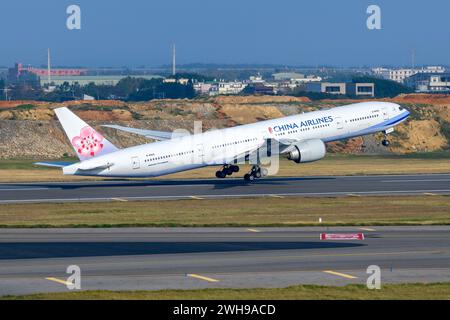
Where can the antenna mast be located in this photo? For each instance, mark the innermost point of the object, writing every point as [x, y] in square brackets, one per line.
[49, 78]
[174, 71]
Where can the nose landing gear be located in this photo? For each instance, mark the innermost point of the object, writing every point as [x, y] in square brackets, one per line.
[385, 142]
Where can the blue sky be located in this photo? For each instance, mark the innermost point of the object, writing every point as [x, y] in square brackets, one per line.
[291, 32]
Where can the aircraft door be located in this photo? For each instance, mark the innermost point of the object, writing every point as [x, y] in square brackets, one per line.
[135, 162]
[385, 113]
[199, 153]
[339, 123]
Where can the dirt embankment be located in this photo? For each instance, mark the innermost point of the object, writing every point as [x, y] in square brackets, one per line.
[29, 129]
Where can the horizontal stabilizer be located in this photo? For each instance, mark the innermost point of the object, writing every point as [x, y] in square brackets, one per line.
[53, 164]
[151, 134]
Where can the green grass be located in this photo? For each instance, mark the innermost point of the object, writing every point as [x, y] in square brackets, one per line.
[435, 291]
[25, 106]
[27, 164]
[269, 211]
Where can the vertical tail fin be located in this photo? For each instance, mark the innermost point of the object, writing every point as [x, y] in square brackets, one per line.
[86, 142]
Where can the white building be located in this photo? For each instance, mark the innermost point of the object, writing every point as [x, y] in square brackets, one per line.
[182, 81]
[295, 82]
[234, 87]
[399, 75]
[256, 79]
[429, 82]
[202, 88]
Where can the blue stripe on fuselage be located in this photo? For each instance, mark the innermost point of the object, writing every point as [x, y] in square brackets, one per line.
[378, 127]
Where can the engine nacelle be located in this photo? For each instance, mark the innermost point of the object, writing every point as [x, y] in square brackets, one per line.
[307, 151]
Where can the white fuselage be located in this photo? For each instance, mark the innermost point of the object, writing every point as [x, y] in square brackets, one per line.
[217, 147]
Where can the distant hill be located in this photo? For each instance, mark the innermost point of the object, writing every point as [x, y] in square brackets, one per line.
[29, 129]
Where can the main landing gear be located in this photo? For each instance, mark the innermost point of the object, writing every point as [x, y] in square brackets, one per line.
[256, 173]
[227, 170]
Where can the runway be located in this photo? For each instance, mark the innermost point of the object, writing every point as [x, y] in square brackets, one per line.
[224, 188]
[35, 260]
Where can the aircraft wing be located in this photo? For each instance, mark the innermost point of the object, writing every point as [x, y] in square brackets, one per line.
[151, 134]
[286, 145]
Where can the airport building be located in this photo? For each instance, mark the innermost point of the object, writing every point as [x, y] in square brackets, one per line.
[342, 88]
[234, 87]
[18, 69]
[361, 89]
[429, 82]
[399, 75]
[202, 88]
[295, 78]
[85, 80]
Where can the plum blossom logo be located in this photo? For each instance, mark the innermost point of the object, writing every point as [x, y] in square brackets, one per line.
[88, 143]
[270, 130]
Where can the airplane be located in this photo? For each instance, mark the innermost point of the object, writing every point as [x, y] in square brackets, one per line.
[300, 138]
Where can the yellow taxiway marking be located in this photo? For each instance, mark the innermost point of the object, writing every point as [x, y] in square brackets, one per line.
[202, 277]
[367, 229]
[253, 230]
[196, 198]
[276, 196]
[429, 194]
[119, 199]
[67, 283]
[340, 274]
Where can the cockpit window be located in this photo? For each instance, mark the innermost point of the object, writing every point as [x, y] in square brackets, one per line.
[401, 108]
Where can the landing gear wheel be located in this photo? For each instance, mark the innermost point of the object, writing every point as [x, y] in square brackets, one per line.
[256, 173]
[227, 170]
[264, 172]
[249, 177]
[385, 143]
[220, 174]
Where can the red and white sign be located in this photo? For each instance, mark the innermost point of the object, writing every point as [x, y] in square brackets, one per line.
[342, 236]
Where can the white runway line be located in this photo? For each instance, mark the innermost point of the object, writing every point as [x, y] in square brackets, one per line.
[25, 189]
[248, 195]
[421, 180]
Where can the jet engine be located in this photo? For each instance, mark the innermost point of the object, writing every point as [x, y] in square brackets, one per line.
[307, 151]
